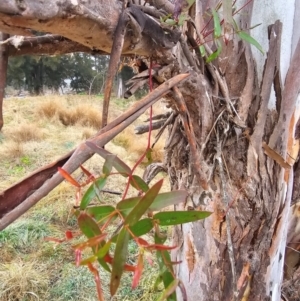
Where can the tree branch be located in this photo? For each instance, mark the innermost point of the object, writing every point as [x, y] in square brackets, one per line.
[91, 24]
[49, 45]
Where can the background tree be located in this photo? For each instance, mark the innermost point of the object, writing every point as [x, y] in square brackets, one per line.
[234, 155]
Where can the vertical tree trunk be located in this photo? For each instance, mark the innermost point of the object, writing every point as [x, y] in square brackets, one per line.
[3, 72]
[247, 160]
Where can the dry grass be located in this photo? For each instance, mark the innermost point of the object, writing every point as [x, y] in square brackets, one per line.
[136, 145]
[71, 114]
[25, 132]
[87, 133]
[49, 108]
[21, 281]
[12, 149]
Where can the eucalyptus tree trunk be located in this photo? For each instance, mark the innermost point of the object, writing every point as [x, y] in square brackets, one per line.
[233, 153]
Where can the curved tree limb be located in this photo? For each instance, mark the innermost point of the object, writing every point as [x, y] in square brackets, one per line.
[90, 23]
[47, 44]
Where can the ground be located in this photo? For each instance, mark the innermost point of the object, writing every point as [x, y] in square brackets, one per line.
[37, 131]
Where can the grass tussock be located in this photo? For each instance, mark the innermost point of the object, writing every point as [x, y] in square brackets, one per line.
[136, 145]
[21, 281]
[125, 138]
[25, 132]
[49, 108]
[83, 114]
[87, 133]
[12, 149]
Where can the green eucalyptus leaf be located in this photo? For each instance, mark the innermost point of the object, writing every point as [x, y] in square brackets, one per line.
[170, 22]
[202, 50]
[215, 54]
[163, 259]
[108, 164]
[169, 218]
[217, 24]
[161, 201]
[118, 164]
[120, 257]
[170, 289]
[143, 205]
[90, 228]
[246, 37]
[100, 212]
[138, 183]
[142, 227]
[92, 192]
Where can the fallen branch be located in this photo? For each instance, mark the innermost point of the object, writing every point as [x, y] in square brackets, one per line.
[17, 199]
[144, 128]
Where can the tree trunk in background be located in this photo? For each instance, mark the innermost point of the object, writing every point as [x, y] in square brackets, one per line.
[3, 72]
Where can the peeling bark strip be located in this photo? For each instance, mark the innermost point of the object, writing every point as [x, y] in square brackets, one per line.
[16, 200]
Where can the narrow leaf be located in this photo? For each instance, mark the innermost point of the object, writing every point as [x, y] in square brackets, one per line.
[92, 242]
[87, 173]
[108, 164]
[163, 259]
[170, 22]
[215, 54]
[202, 50]
[92, 192]
[169, 290]
[118, 164]
[246, 37]
[90, 228]
[143, 204]
[88, 260]
[97, 281]
[119, 260]
[161, 201]
[68, 177]
[217, 24]
[104, 250]
[138, 271]
[142, 227]
[138, 183]
[88, 225]
[100, 212]
[168, 218]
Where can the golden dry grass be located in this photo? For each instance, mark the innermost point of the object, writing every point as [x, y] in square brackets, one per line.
[136, 145]
[48, 108]
[21, 280]
[70, 114]
[12, 149]
[25, 132]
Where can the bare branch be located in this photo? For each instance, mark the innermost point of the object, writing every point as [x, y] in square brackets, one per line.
[144, 128]
[48, 44]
